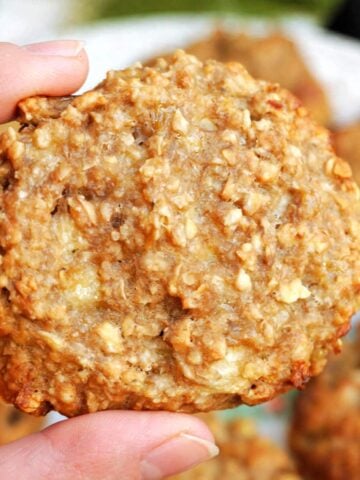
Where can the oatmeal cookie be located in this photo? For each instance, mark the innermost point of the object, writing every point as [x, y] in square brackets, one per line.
[347, 146]
[181, 238]
[244, 455]
[15, 424]
[274, 58]
[325, 431]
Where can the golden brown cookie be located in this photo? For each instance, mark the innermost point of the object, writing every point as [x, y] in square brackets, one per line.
[244, 455]
[325, 432]
[15, 424]
[274, 58]
[347, 146]
[181, 238]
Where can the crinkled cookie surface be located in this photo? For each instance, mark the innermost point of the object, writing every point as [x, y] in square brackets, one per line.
[182, 237]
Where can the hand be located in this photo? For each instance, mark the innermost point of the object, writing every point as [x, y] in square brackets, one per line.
[51, 68]
[107, 445]
[114, 445]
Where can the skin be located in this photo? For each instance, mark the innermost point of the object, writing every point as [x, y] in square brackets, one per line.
[105, 445]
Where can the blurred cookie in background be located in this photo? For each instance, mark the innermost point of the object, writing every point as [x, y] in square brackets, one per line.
[274, 58]
[244, 455]
[15, 424]
[325, 431]
[347, 146]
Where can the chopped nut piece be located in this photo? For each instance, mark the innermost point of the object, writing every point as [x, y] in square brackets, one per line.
[263, 124]
[111, 159]
[230, 136]
[207, 125]
[293, 291]
[191, 229]
[15, 152]
[233, 217]
[243, 281]
[53, 340]
[267, 171]
[229, 156]
[106, 210]
[115, 236]
[42, 138]
[253, 202]
[111, 336]
[179, 123]
[246, 119]
[68, 393]
[342, 169]
[89, 209]
[247, 247]
[89, 100]
[321, 247]
[230, 191]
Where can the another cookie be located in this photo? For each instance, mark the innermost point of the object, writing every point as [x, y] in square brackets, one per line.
[244, 455]
[325, 432]
[15, 424]
[347, 146]
[181, 238]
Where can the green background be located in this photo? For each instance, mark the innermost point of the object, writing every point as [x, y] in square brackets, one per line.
[322, 9]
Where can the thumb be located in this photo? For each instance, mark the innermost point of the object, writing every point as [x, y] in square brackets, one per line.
[49, 68]
[109, 446]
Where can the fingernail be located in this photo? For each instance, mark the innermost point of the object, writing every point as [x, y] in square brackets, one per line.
[62, 48]
[176, 455]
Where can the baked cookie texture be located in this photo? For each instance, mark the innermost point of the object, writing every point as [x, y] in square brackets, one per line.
[15, 424]
[181, 238]
[244, 455]
[347, 145]
[325, 431]
[272, 57]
